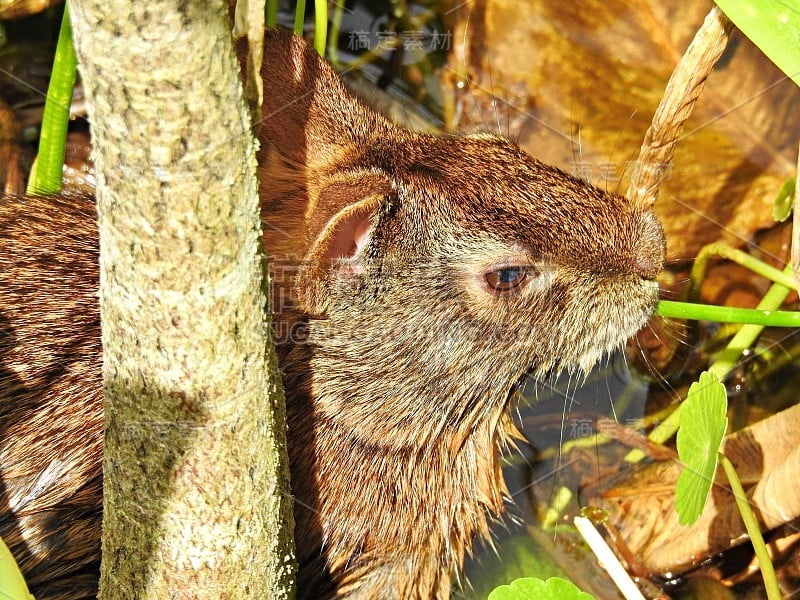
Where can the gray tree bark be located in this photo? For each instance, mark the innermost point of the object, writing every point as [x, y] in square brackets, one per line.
[195, 466]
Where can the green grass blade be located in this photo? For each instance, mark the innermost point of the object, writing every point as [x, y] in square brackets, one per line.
[271, 13]
[320, 26]
[46, 176]
[299, 17]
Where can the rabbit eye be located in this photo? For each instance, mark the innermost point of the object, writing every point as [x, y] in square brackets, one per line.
[508, 279]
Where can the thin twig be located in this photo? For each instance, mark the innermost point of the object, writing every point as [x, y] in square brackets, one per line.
[607, 559]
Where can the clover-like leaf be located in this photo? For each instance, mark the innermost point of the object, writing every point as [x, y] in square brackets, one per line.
[533, 588]
[702, 427]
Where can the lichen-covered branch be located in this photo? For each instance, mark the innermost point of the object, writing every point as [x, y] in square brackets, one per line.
[194, 467]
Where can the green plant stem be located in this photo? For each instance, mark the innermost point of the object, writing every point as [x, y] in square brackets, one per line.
[271, 17]
[320, 26]
[46, 175]
[333, 38]
[722, 366]
[729, 314]
[741, 258]
[300, 16]
[747, 335]
[753, 529]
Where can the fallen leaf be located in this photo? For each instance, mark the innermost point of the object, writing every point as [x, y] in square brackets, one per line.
[583, 80]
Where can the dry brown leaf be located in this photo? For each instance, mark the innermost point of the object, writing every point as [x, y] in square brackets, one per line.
[583, 81]
[16, 9]
[642, 509]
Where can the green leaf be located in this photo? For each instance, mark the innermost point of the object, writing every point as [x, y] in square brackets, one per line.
[702, 428]
[12, 583]
[518, 556]
[773, 26]
[533, 588]
[782, 207]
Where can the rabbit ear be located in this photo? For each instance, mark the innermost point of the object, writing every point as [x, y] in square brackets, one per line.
[344, 215]
[312, 127]
[308, 115]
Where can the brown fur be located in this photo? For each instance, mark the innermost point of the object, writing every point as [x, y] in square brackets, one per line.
[397, 357]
